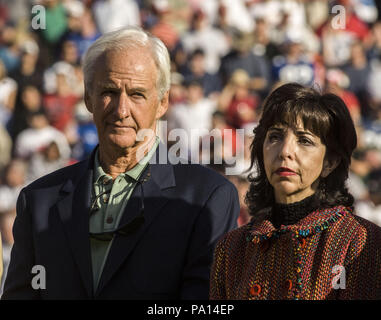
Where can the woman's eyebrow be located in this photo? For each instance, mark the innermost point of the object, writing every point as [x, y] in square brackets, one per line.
[278, 129]
[297, 131]
[300, 132]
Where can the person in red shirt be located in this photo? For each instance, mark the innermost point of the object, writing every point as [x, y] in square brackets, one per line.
[337, 82]
[236, 100]
[60, 105]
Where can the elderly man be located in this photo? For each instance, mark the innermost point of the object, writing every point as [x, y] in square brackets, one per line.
[118, 225]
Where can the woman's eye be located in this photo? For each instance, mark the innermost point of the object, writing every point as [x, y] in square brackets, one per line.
[274, 137]
[305, 141]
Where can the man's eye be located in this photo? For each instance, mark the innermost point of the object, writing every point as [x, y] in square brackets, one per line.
[138, 94]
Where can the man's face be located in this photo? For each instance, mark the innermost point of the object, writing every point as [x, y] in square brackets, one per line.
[123, 96]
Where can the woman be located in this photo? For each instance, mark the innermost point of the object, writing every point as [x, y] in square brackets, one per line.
[303, 241]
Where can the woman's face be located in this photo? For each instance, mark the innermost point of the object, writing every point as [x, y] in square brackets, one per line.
[294, 159]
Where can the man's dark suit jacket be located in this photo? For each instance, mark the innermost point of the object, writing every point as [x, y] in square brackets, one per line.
[187, 209]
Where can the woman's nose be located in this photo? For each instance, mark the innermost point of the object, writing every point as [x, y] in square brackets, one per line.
[287, 147]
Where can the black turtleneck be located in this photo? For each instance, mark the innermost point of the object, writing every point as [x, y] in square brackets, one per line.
[291, 213]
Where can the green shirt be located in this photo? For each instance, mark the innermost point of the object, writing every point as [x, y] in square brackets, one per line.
[56, 23]
[111, 206]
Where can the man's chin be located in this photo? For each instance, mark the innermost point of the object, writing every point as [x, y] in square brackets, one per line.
[122, 144]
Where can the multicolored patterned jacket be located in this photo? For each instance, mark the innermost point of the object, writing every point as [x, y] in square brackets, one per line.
[329, 254]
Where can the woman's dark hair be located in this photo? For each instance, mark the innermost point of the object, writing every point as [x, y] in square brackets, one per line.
[326, 116]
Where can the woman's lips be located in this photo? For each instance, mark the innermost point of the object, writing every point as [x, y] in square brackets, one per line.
[284, 172]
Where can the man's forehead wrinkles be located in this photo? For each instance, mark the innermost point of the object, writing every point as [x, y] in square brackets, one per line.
[114, 78]
[130, 85]
[128, 75]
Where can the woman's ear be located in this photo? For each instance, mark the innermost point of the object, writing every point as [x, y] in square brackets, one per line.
[330, 163]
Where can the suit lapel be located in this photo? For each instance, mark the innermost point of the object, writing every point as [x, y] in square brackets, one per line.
[162, 177]
[74, 208]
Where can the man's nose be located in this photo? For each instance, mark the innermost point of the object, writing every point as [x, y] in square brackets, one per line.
[123, 107]
[287, 147]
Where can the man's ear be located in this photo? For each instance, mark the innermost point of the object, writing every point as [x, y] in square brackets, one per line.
[163, 106]
[330, 163]
[88, 103]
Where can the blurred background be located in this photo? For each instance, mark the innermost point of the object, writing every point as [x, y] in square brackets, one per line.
[226, 56]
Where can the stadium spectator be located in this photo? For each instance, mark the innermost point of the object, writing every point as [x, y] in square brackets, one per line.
[194, 116]
[211, 83]
[12, 181]
[29, 102]
[358, 70]
[9, 47]
[294, 65]
[242, 57]
[59, 106]
[237, 15]
[45, 161]
[29, 72]
[177, 92]
[56, 22]
[370, 208]
[263, 45]
[82, 29]
[5, 147]
[111, 15]
[337, 82]
[8, 91]
[374, 50]
[86, 133]
[66, 66]
[211, 40]
[163, 28]
[236, 100]
[38, 136]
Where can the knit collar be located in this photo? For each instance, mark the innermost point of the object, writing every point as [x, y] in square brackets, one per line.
[314, 222]
[291, 213]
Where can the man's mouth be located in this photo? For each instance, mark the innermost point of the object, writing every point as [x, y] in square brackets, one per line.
[117, 126]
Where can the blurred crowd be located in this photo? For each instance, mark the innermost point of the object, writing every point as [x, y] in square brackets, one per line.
[226, 56]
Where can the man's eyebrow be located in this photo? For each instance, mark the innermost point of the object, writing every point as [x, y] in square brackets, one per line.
[140, 89]
[109, 85]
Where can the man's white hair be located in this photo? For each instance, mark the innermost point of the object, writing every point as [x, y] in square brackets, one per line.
[129, 37]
